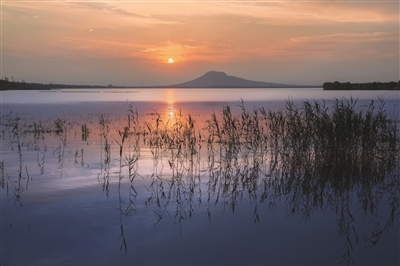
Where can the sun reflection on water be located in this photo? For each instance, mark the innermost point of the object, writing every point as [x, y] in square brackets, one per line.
[170, 101]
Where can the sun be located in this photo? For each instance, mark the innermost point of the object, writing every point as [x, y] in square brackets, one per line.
[171, 60]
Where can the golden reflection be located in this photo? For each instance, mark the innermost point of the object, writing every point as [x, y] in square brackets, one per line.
[171, 111]
[170, 115]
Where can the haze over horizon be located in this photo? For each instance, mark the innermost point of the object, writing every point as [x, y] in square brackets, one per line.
[135, 43]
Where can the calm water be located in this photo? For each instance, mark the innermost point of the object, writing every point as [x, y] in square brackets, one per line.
[71, 195]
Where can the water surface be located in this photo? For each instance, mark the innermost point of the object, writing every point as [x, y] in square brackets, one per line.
[71, 195]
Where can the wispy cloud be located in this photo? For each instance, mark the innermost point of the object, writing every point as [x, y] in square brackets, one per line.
[347, 46]
[199, 32]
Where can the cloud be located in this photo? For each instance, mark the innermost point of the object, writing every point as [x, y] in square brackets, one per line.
[311, 12]
[223, 33]
[346, 46]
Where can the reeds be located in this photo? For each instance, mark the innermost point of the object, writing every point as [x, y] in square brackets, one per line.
[131, 160]
[85, 132]
[104, 175]
[39, 130]
[314, 155]
[2, 177]
[60, 130]
[16, 131]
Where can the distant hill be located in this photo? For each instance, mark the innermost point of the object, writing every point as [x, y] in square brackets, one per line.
[211, 79]
[215, 79]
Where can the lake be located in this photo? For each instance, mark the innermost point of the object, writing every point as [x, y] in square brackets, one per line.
[198, 177]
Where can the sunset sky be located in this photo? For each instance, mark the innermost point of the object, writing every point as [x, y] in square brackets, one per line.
[130, 42]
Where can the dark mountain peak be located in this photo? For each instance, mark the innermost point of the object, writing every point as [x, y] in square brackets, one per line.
[214, 74]
[217, 79]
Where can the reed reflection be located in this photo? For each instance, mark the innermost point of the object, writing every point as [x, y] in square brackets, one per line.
[313, 157]
[60, 130]
[105, 159]
[39, 130]
[179, 141]
[16, 129]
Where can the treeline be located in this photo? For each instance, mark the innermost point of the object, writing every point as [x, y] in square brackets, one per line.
[7, 84]
[362, 86]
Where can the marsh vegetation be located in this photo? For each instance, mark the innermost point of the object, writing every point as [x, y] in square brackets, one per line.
[315, 156]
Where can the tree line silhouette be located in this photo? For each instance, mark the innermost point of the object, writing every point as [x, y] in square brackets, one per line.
[361, 86]
[12, 84]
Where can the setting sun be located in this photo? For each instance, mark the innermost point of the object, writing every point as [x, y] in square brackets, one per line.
[170, 60]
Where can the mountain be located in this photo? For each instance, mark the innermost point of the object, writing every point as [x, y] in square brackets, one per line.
[215, 79]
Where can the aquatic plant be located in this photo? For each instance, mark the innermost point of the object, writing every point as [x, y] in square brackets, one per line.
[60, 130]
[312, 155]
[131, 160]
[104, 162]
[39, 129]
[2, 177]
[16, 131]
[85, 132]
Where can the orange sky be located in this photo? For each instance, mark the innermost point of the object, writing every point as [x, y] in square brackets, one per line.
[129, 42]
